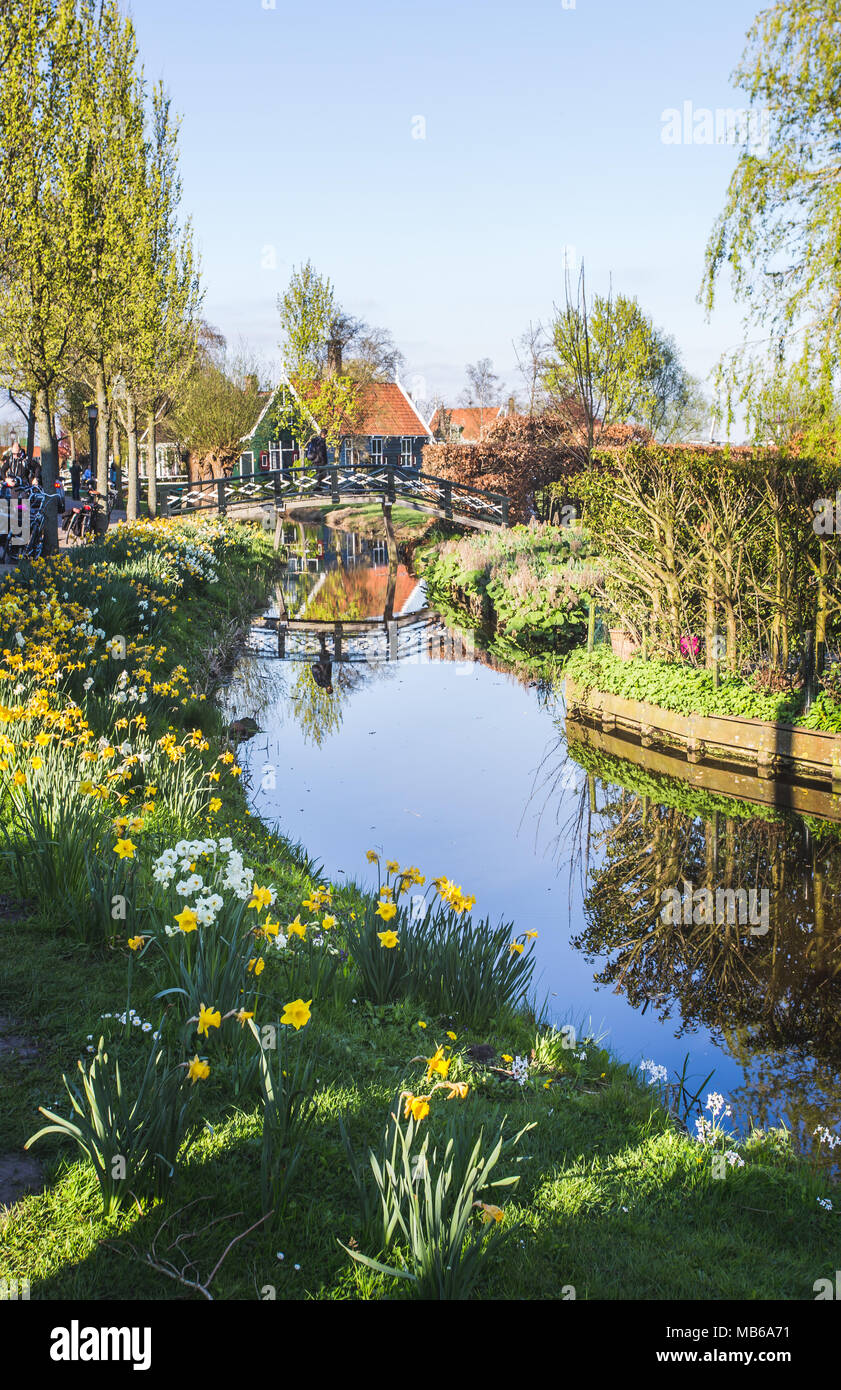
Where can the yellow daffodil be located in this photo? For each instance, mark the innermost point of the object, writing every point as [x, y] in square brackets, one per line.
[214, 804]
[208, 1018]
[457, 1089]
[438, 1064]
[270, 928]
[260, 897]
[125, 849]
[198, 1070]
[297, 1013]
[135, 943]
[328, 922]
[516, 948]
[187, 920]
[416, 1106]
[257, 964]
[506, 1057]
[297, 928]
[489, 1212]
[386, 911]
[452, 1036]
[388, 939]
[392, 866]
[243, 1015]
[532, 935]
[421, 1023]
[372, 856]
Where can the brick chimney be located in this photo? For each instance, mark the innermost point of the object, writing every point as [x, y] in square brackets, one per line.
[334, 357]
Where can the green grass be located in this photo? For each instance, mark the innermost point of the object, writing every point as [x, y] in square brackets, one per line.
[600, 1145]
[614, 1198]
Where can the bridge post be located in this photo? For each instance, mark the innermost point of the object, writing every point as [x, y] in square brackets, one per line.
[448, 500]
[505, 520]
[220, 494]
[390, 493]
[334, 483]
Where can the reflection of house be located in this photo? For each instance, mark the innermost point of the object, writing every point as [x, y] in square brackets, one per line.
[463, 425]
[390, 431]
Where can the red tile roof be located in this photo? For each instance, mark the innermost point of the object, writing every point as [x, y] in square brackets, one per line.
[471, 420]
[388, 411]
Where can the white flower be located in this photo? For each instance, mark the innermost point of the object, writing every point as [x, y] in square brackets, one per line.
[520, 1070]
[825, 1202]
[734, 1159]
[204, 912]
[226, 844]
[20, 639]
[216, 901]
[88, 683]
[656, 1072]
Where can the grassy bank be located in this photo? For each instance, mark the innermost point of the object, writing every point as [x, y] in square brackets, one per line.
[148, 907]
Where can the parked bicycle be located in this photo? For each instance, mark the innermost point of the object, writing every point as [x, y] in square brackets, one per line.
[35, 499]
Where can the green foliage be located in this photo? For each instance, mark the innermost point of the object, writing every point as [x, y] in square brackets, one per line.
[777, 235]
[132, 1142]
[428, 1194]
[286, 1073]
[528, 584]
[465, 969]
[684, 688]
[458, 967]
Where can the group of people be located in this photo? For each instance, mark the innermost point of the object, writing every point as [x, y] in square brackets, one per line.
[17, 471]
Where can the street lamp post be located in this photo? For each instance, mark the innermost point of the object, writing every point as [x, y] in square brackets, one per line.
[93, 416]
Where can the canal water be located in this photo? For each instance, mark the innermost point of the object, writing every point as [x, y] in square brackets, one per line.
[383, 729]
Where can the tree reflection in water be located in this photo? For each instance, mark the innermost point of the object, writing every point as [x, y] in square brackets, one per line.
[769, 994]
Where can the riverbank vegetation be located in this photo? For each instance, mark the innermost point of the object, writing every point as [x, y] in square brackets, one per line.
[525, 590]
[236, 1034]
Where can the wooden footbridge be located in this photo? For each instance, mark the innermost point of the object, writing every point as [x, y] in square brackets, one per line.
[358, 484]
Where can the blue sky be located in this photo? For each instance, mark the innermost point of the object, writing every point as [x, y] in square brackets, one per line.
[542, 131]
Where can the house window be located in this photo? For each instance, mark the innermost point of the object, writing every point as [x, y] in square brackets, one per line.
[348, 448]
[376, 449]
[246, 464]
[406, 455]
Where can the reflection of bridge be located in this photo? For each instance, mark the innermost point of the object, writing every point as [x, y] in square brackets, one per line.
[358, 484]
[361, 640]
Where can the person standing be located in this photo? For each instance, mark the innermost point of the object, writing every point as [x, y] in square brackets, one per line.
[75, 479]
[316, 452]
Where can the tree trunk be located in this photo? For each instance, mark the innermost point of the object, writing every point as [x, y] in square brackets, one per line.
[131, 437]
[30, 427]
[152, 465]
[49, 468]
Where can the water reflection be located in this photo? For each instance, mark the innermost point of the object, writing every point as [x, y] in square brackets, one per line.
[385, 723]
[717, 917]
